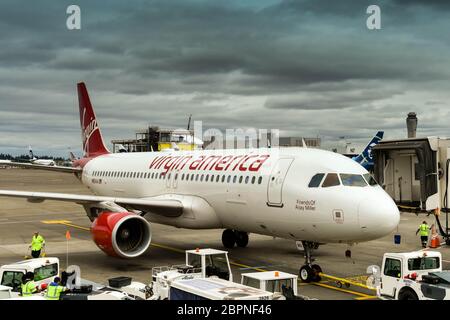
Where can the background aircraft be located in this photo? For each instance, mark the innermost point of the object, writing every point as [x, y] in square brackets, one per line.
[365, 158]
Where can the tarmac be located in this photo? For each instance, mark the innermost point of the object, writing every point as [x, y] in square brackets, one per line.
[19, 219]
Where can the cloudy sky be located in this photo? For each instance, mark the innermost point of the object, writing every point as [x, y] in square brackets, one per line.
[306, 67]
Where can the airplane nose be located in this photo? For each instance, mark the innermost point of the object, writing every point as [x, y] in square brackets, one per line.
[378, 215]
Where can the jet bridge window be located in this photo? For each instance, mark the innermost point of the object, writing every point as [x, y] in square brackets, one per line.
[352, 180]
[424, 263]
[331, 180]
[392, 268]
[316, 180]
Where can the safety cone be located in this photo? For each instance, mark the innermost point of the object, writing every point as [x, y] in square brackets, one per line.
[434, 242]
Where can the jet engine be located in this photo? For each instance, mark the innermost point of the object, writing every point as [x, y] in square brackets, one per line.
[121, 234]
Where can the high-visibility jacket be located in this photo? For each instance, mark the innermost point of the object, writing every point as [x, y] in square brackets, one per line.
[28, 288]
[37, 242]
[423, 229]
[54, 291]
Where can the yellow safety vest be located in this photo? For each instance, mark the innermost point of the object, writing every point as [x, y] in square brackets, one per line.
[37, 242]
[53, 292]
[423, 230]
[28, 289]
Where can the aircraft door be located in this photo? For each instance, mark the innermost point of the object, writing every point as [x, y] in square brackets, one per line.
[276, 181]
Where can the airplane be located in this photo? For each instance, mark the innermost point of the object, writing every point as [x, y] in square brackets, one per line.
[365, 158]
[42, 162]
[302, 194]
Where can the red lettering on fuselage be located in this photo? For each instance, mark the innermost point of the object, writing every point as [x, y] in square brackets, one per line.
[216, 163]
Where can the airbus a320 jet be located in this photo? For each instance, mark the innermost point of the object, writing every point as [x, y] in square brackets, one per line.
[302, 194]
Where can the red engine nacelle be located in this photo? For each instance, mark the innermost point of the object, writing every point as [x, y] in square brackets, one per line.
[121, 234]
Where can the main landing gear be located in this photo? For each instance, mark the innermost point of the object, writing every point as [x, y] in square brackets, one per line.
[309, 272]
[234, 237]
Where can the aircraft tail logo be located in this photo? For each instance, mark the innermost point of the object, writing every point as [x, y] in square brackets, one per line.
[91, 136]
[365, 158]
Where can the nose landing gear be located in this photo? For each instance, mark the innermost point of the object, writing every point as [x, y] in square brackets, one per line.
[234, 237]
[309, 272]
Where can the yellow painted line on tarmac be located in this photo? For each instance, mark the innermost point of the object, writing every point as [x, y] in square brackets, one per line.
[321, 284]
[367, 298]
[55, 221]
[340, 289]
[65, 223]
[166, 247]
[343, 280]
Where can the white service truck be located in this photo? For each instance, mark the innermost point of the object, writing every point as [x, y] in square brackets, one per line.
[414, 275]
[206, 274]
[46, 269]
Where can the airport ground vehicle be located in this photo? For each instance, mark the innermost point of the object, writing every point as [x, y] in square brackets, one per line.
[46, 269]
[200, 263]
[206, 275]
[277, 282]
[414, 275]
[214, 289]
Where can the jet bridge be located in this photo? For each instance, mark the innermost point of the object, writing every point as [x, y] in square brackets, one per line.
[414, 172]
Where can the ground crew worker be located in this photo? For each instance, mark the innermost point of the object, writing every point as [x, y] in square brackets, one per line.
[423, 229]
[28, 286]
[37, 242]
[54, 289]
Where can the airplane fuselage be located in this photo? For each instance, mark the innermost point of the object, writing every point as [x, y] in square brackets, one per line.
[263, 191]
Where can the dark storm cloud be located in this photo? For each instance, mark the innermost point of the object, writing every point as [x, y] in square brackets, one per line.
[272, 64]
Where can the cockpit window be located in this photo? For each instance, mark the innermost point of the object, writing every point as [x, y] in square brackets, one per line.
[316, 180]
[353, 180]
[331, 180]
[370, 180]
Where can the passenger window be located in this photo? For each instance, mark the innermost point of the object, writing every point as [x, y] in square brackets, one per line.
[223, 178]
[176, 176]
[206, 178]
[196, 177]
[192, 177]
[229, 179]
[246, 179]
[240, 179]
[217, 178]
[201, 178]
[331, 180]
[234, 179]
[182, 177]
[212, 178]
[253, 179]
[316, 180]
[352, 180]
[259, 180]
[392, 268]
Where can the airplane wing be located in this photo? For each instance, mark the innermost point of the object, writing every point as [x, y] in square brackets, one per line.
[42, 167]
[168, 208]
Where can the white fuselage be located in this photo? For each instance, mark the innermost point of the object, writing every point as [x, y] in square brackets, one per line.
[263, 191]
[43, 162]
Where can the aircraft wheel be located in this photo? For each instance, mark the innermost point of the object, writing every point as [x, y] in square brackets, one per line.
[306, 273]
[241, 238]
[228, 238]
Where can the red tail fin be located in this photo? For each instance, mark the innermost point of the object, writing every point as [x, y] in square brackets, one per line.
[93, 145]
